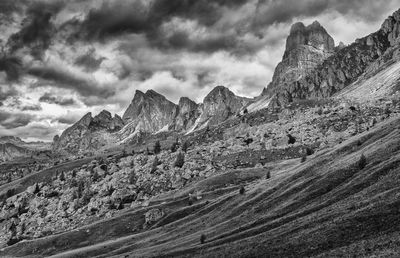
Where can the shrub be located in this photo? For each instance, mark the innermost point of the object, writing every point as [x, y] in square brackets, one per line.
[156, 162]
[242, 190]
[174, 147]
[362, 162]
[303, 158]
[309, 151]
[291, 139]
[157, 147]
[104, 167]
[10, 192]
[202, 238]
[248, 141]
[180, 160]
[268, 175]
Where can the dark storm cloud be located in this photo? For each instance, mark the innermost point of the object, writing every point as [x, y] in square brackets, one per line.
[48, 98]
[133, 16]
[14, 120]
[89, 61]
[27, 107]
[68, 80]
[275, 11]
[121, 17]
[37, 30]
[11, 65]
[66, 120]
[8, 7]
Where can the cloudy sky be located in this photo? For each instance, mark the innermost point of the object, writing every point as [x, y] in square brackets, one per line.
[62, 59]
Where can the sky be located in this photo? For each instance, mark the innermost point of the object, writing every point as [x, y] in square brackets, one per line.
[60, 59]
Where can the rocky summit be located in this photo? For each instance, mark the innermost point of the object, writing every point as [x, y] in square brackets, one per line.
[306, 48]
[310, 168]
[338, 70]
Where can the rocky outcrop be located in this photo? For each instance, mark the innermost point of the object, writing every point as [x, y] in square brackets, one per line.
[220, 104]
[89, 133]
[188, 113]
[106, 121]
[340, 69]
[306, 48]
[149, 112]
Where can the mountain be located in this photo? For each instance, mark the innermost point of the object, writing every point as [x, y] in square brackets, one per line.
[188, 113]
[89, 133]
[12, 147]
[220, 104]
[306, 48]
[152, 112]
[339, 69]
[148, 112]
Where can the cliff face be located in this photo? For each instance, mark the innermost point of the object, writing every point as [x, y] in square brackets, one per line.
[339, 69]
[220, 104]
[306, 48]
[89, 133]
[149, 112]
[188, 113]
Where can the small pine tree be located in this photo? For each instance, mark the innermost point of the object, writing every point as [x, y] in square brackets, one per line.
[62, 176]
[362, 162]
[157, 147]
[37, 189]
[13, 229]
[185, 146]
[303, 158]
[132, 177]
[242, 190]
[268, 175]
[202, 238]
[154, 165]
[81, 188]
[180, 160]
[23, 227]
[174, 147]
[95, 176]
[120, 206]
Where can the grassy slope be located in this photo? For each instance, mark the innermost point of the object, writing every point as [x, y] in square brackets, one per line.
[326, 206]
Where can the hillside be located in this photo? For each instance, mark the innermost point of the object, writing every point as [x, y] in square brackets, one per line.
[329, 195]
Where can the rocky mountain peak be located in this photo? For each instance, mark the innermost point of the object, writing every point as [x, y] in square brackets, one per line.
[186, 105]
[85, 120]
[219, 93]
[361, 59]
[306, 48]
[313, 35]
[220, 104]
